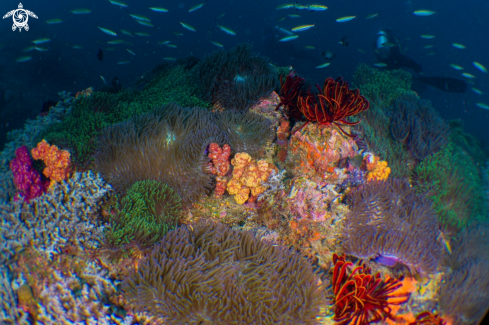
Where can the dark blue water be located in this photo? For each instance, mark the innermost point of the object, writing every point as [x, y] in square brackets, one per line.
[63, 68]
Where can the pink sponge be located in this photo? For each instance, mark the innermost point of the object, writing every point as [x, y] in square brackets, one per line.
[26, 178]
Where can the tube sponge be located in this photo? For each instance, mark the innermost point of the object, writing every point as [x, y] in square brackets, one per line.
[389, 222]
[211, 274]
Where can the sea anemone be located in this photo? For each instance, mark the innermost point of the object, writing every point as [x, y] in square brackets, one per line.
[210, 274]
[389, 222]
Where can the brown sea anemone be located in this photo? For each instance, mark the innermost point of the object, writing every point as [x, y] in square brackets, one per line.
[211, 274]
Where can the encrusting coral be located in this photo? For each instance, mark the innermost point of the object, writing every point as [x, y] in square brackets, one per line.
[377, 170]
[210, 274]
[248, 178]
[58, 162]
[390, 222]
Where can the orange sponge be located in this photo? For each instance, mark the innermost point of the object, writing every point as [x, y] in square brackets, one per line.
[58, 162]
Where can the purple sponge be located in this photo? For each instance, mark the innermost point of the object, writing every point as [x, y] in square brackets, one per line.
[26, 178]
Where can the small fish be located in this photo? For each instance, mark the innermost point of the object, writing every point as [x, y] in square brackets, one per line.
[428, 46]
[456, 67]
[380, 64]
[187, 26]
[178, 34]
[40, 49]
[328, 55]
[163, 42]
[477, 91]
[226, 30]
[128, 50]
[142, 34]
[281, 19]
[481, 105]
[468, 75]
[427, 36]
[41, 41]
[288, 38]
[480, 66]
[217, 44]
[324, 65]
[140, 17]
[317, 8]
[294, 16]
[371, 16]
[285, 6]
[123, 62]
[54, 21]
[173, 46]
[170, 59]
[283, 30]
[309, 47]
[81, 11]
[345, 19]
[125, 32]
[103, 79]
[458, 46]
[158, 9]
[145, 23]
[107, 31]
[362, 51]
[100, 55]
[196, 7]
[388, 44]
[118, 3]
[76, 47]
[221, 15]
[117, 41]
[298, 6]
[344, 41]
[24, 59]
[302, 28]
[424, 13]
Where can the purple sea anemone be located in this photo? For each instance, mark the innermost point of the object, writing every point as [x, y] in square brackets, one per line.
[389, 222]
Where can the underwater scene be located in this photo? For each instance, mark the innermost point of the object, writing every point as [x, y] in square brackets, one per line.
[261, 162]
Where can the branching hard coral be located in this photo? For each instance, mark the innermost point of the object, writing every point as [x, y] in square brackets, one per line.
[167, 145]
[361, 298]
[236, 79]
[247, 131]
[210, 274]
[389, 222]
[415, 123]
[58, 162]
[333, 104]
[144, 215]
[452, 181]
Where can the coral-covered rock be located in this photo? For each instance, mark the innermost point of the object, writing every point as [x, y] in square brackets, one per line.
[219, 165]
[283, 133]
[26, 178]
[248, 177]
[58, 162]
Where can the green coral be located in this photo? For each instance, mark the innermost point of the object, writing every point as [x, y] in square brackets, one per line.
[452, 180]
[80, 130]
[381, 86]
[144, 215]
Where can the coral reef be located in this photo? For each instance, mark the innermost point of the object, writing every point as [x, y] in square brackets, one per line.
[143, 216]
[360, 297]
[84, 93]
[168, 145]
[26, 179]
[283, 133]
[219, 166]
[452, 181]
[58, 162]
[248, 178]
[212, 274]
[236, 79]
[63, 215]
[389, 222]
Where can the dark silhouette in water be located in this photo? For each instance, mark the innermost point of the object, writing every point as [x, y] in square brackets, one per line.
[116, 84]
[100, 55]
